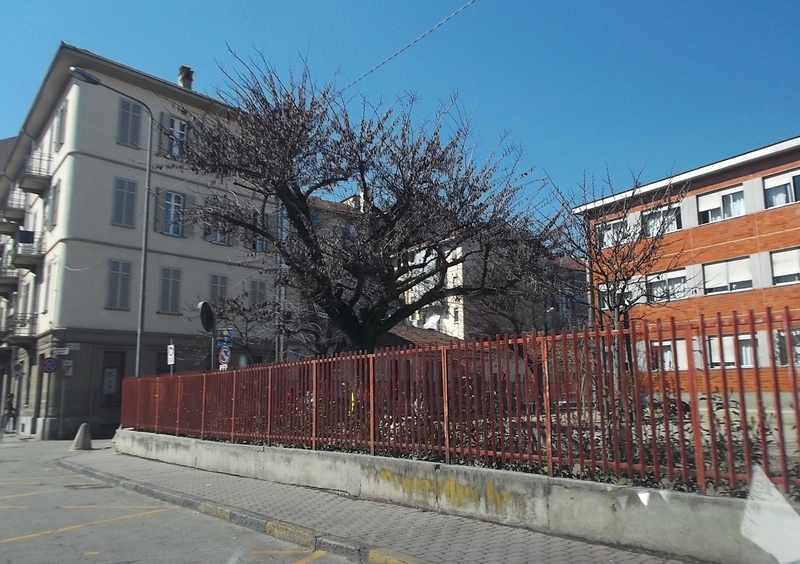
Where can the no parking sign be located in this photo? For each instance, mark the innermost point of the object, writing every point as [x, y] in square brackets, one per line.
[49, 365]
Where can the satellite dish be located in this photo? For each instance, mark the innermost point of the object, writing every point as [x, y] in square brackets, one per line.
[206, 316]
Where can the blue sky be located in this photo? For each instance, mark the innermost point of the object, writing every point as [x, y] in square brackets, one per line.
[660, 86]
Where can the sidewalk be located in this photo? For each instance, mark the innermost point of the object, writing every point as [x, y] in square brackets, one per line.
[424, 535]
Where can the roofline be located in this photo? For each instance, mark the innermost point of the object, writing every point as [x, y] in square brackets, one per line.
[717, 166]
[55, 81]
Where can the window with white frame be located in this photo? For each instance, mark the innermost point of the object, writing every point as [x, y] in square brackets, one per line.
[123, 202]
[219, 286]
[727, 276]
[609, 300]
[781, 190]
[119, 284]
[784, 345]
[725, 352]
[662, 220]
[130, 118]
[59, 126]
[170, 291]
[666, 286]
[785, 266]
[663, 356]
[220, 238]
[258, 292]
[612, 233]
[176, 136]
[721, 205]
[173, 208]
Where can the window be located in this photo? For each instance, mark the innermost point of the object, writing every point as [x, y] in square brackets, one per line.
[664, 220]
[666, 286]
[781, 350]
[781, 190]
[119, 284]
[620, 300]
[258, 292]
[721, 205]
[50, 206]
[123, 202]
[613, 233]
[728, 357]
[170, 290]
[48, 272]
[455, 315]
[219, 287]
[220, 238]
[176, 136]
[173, 206]
[727, 276]
[785, 266]
[130, 117]
[59, 126]
[663, 356]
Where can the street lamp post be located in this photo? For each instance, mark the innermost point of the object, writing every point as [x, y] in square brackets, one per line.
[89, 78]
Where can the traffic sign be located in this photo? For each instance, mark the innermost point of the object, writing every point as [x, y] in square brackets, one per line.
[170, 355]
[63, 351]
[224, 355]
[49, 365]
[16, 370]
[225, 338]
[66, 367]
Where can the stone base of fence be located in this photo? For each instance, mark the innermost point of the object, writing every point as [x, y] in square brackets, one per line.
[688, 525]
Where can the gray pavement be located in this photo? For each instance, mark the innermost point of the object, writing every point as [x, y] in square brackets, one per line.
[428, 536]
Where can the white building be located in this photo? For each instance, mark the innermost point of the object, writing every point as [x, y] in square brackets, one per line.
[71, 211]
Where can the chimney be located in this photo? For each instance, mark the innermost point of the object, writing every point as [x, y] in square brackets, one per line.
[185, 75]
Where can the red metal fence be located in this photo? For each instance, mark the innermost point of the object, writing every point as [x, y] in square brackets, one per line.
[685, 405]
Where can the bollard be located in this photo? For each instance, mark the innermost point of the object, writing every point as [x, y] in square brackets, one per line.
[83, 440]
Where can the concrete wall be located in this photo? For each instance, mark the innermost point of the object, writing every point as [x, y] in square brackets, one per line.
[677, 523]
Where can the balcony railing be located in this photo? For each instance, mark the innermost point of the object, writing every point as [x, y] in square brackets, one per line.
[28, 250]
[9, 280]
[38, 172]
[21, 325]
[15, 206]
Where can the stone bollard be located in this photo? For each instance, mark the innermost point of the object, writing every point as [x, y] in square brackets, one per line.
[83, 440]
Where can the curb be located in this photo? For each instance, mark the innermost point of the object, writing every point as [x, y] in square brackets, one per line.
[353, 551]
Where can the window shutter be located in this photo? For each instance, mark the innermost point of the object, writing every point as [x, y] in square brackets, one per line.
[714, 275]
[786, 263]
[163, 136]
[709, 202]
[188, 227]
[158, 209]
[778, 180]
[739, 270]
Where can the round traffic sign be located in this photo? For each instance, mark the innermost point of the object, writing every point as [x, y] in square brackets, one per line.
[49, 365]
[224, 355]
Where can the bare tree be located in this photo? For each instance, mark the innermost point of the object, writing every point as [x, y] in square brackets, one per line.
[421, 204]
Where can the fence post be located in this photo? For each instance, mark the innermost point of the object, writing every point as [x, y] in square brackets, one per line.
[203, 409]
[138, 404]
[178, 413]
[694, 402]
[445, 405]
[158, 393]
[548, 431]
[233, 406]
[372, 404]
[314, 405]
[269, 406]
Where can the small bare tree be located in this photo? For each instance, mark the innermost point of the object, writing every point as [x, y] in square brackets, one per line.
[421, 203]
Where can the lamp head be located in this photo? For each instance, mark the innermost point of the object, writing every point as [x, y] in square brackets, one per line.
[84, 76]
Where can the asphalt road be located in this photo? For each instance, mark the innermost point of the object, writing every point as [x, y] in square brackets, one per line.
[51, 515]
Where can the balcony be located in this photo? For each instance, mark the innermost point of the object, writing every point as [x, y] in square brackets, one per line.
[20, 329]
[9, 279]
[14, 211]
[38, 173]
[28, 250]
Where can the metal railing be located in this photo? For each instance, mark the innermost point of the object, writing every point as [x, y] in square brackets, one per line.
[692, 406]
[16, 199]
[21, 325]
[39, 163]
[28, 243]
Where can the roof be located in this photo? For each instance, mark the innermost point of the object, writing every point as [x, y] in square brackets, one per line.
[55, 82]
[743, 158]
[6, 145]
[407, 335]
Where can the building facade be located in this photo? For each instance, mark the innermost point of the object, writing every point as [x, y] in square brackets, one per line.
[72, 210]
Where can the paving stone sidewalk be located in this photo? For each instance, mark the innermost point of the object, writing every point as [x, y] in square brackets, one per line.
[429, 536]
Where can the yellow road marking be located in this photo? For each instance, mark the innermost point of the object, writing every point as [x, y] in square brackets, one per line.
[311, 557]
[14, 507]
[306, 551]
[107, 506]
[29, 493]
[92, 553]
[81, 525]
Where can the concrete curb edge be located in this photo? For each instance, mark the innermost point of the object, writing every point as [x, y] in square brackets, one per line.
[297, 534]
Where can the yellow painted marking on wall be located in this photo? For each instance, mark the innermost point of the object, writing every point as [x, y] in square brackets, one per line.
[280, 551]
[91, 553]
[29, 493]
[82, 525]
[311, 557]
